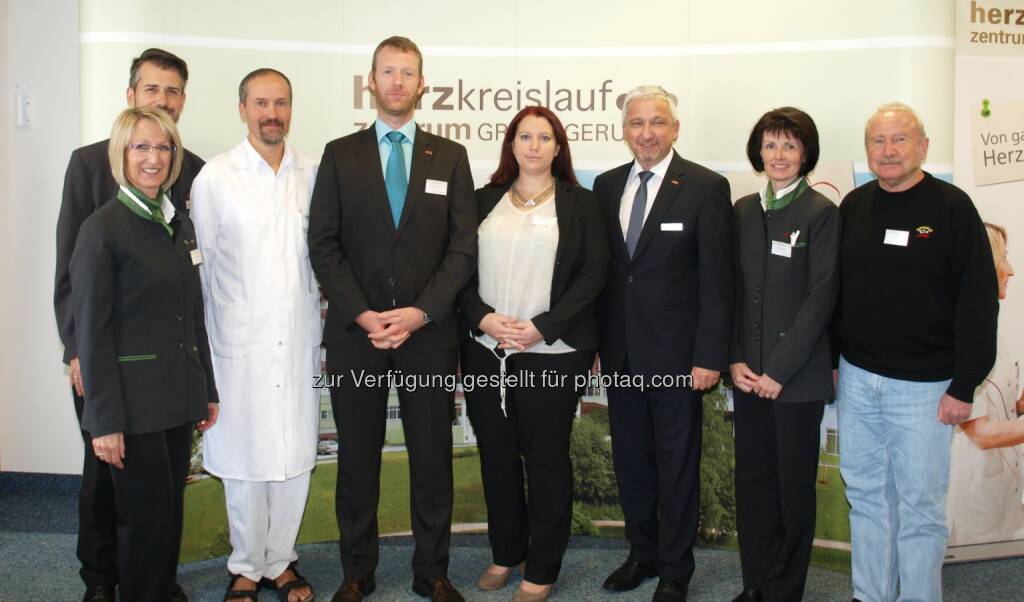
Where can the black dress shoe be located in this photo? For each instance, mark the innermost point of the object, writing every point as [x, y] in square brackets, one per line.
[438, 589]
[99, 593]
[628, 576]
[354, 590]
[178, 594]
[670, 591]
[749, 595]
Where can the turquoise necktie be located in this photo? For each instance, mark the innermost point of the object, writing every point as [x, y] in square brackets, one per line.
[395, 179]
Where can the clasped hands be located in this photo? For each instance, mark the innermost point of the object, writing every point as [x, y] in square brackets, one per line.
[389, 329]
[510, 333]
[748, 381]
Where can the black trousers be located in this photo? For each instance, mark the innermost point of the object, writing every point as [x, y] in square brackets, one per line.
[149, 492]
[527, 519]
[656, 437]
[777, 446]
[97, 515]
[360, 410]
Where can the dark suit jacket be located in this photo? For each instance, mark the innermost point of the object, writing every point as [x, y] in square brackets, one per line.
[581, 267]
[784, 304]
[88, 183]
[669, 308]
[141, 332]
[364, 263]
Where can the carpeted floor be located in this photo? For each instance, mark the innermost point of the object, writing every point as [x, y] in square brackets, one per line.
[37, 562]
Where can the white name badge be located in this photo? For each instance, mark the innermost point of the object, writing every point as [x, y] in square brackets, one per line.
[782, 249]
[543, 220]
[197, 256]
[437, 187]
[897, 238]
[672, 226]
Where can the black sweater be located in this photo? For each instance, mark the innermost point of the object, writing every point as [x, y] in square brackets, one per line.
[925, 311]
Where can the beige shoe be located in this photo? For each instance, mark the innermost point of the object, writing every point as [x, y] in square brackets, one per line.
[524, 596]
[490, 582]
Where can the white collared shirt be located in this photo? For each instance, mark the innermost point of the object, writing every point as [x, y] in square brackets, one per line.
[166, 207]
[779, 194]
[633, 184]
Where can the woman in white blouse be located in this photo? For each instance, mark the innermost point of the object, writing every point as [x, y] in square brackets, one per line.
[532, 320]
[985, 484]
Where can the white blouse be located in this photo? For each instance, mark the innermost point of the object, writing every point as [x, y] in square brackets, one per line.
[516, 263]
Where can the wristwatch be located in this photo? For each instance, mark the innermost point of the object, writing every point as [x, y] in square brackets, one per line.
[426, 318]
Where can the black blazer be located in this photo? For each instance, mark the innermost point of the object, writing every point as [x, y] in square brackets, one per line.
[784, 304]
[88, 183]
[364, 263]
[669, 308]
[141, 332]
[581, 268]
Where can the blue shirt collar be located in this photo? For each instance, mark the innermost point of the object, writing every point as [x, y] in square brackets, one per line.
[382, 129]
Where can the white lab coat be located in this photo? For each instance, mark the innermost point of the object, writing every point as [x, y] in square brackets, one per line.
[984, 502]
[262, 313]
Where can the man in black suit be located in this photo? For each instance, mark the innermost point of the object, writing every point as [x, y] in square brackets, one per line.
[157, 79]
[392, 239]
[666, 322]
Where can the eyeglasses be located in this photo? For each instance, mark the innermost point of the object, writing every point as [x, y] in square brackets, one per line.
[161, 149]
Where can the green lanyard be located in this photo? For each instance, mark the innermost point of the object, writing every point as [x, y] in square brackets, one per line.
[148, 209]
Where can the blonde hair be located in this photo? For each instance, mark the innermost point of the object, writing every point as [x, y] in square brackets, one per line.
[401, 44]
[121, 136]
[997, 237]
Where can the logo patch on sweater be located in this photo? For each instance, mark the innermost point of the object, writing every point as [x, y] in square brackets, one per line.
[924, 231]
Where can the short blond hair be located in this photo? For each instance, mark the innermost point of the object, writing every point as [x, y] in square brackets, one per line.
[997, 237]
[401, 44]
[121, 136]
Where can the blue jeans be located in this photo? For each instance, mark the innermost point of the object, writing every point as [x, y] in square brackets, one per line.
[894, 458]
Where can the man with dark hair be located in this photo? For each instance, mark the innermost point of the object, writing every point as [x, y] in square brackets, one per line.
[250, 206]
[243, 86]
[392, 239]
[163, 60]
[157, 79]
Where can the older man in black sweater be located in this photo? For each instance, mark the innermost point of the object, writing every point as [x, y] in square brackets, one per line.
[915, 328]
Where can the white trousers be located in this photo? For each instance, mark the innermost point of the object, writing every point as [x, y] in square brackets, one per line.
[264, 519]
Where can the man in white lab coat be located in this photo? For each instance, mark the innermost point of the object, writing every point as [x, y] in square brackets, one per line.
[250, 206]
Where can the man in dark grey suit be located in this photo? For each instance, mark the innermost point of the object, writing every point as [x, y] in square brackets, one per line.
[392, 240]
[157, 79]
[666, 320]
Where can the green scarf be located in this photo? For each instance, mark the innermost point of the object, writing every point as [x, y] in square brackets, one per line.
[773, 204]
[150, 210]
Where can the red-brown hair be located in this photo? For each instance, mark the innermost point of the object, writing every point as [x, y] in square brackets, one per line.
[508, 167]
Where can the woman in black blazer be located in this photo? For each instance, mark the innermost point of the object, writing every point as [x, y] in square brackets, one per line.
[532, 321]
[787, 239]
[143, 349]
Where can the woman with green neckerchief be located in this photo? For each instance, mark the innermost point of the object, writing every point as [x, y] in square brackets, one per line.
[142, 344]
[787, 250]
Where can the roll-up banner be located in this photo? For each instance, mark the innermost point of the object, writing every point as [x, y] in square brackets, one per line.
[985, 509]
